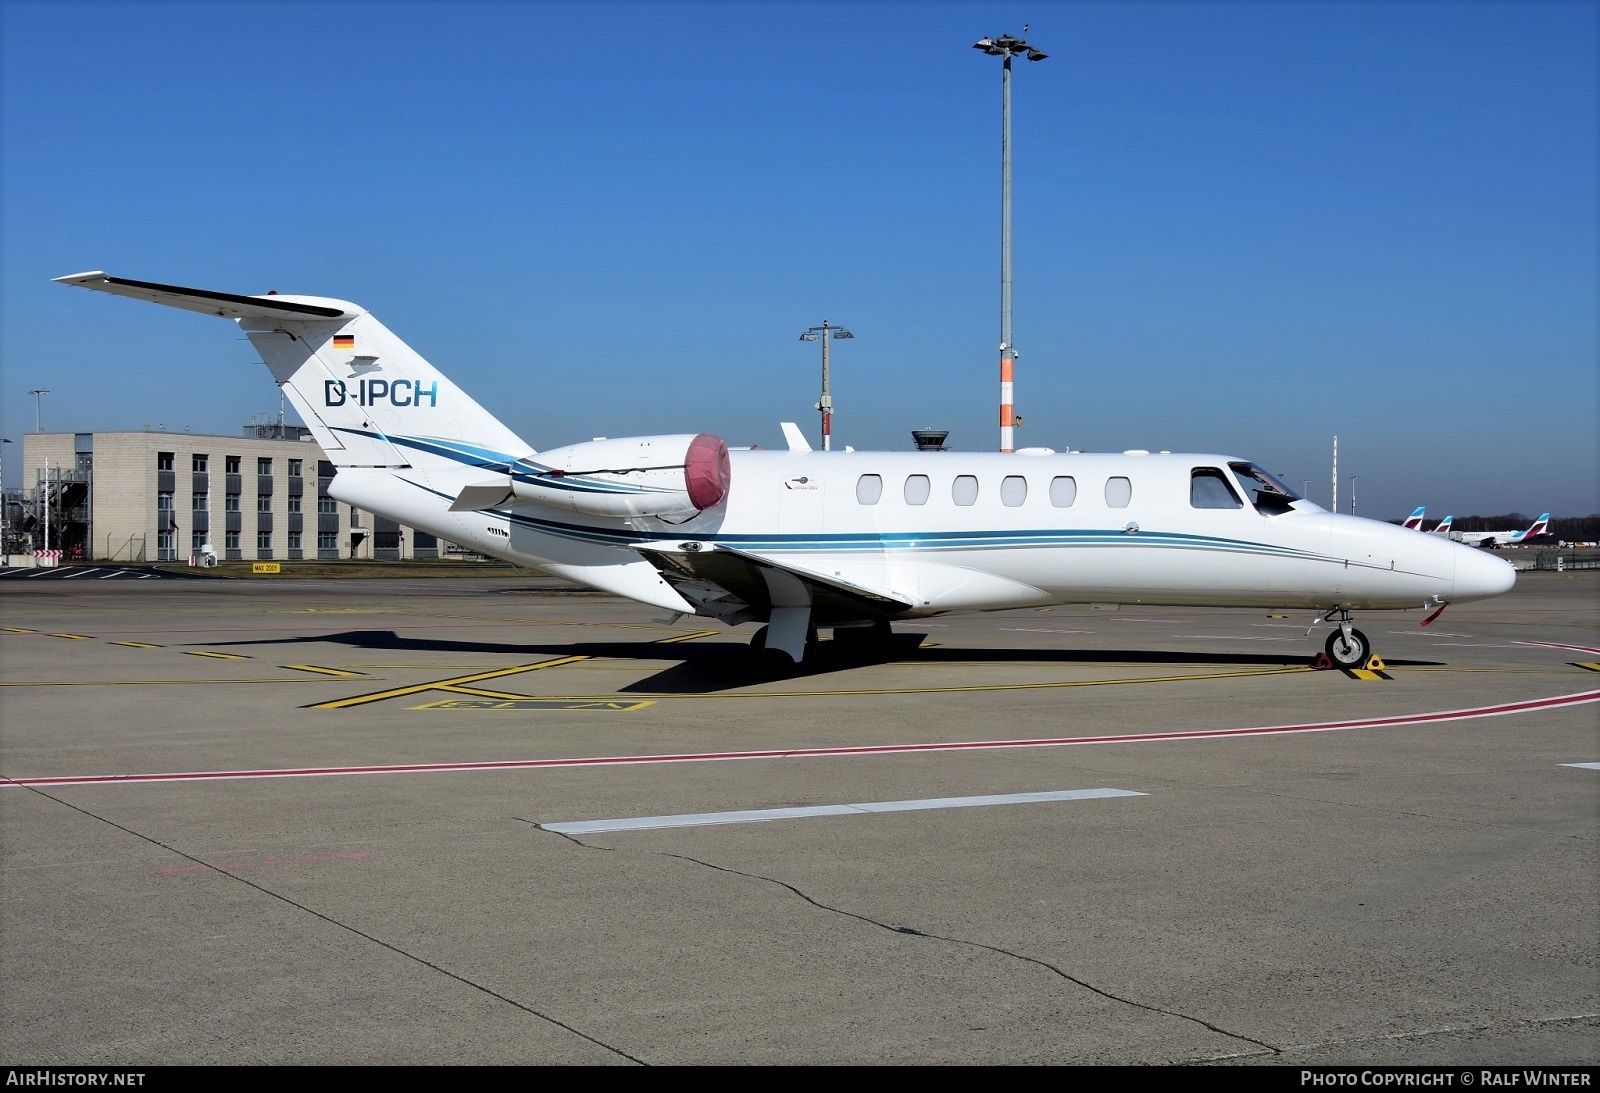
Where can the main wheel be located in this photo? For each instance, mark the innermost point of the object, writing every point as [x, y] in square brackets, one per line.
[778, 661]
[1350, 653]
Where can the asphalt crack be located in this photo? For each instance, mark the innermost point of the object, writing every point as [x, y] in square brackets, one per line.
[348, 928]
[912, 931]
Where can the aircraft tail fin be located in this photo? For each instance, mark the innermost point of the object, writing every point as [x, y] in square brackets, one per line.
[369, 399]
[1414, 521]
[1444, 526]
[1540, 527]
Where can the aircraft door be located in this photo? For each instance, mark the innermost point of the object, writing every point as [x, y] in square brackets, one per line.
[801, 504]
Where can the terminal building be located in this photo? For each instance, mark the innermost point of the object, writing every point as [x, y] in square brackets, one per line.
[156, 496]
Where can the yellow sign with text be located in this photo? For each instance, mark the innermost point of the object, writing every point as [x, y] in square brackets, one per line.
[265, 567]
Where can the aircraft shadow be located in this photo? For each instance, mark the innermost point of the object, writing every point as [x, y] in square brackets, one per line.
[709, 666]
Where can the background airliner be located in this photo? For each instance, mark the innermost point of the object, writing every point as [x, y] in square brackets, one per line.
[1414, 521]
[799, 539]
[1493, 540]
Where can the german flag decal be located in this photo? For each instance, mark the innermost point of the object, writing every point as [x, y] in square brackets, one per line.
[344, 341]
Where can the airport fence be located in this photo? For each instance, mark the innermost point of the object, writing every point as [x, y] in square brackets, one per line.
[1562, 560]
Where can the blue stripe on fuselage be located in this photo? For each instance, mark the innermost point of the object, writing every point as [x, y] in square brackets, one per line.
[472, 456]
[879, 542]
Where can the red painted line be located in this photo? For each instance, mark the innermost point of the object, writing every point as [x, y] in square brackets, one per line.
[1528, 706]
[1558, 645]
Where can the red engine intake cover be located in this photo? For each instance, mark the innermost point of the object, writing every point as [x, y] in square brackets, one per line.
[706, 471]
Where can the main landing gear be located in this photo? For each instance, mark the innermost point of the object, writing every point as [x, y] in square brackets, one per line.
[781, 657]
[855, 640]
[1347, 647]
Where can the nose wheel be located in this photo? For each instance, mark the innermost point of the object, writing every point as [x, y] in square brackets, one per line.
[1348, 647]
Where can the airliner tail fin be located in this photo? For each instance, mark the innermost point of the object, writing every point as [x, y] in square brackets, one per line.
[1540, 527]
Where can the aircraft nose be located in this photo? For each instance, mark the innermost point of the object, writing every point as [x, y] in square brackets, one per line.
[1480, 575]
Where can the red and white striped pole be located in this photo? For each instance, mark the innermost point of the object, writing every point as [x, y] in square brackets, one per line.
[1005, 47]
[824, 333]
[1007, 411]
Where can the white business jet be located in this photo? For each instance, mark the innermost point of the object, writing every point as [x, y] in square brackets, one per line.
[799, 539]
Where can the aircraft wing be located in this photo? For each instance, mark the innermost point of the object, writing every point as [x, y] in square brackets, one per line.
[736, 585]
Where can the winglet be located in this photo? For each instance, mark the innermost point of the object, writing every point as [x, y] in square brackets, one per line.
[796, 439]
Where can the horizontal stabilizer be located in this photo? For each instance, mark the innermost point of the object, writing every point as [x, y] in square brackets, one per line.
[207, 302]
[482, 495]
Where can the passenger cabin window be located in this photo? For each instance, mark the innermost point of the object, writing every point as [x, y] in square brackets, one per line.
[917, 489]
[869, 488]
[1270, 497]
[964, 490]
[1063, 491]
[1119, 491]
[1013, 490]
[1209, 489]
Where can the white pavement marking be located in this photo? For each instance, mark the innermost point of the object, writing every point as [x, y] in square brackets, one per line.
[1585, 766]
[762, 815]
[1559, 645]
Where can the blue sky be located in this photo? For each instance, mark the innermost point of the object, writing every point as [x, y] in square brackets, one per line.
[1240, 227]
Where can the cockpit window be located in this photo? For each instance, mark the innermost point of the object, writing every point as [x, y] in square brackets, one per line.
[1209, 489]
[1269, 496]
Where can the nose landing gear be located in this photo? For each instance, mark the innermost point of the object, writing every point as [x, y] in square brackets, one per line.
[1347, 647]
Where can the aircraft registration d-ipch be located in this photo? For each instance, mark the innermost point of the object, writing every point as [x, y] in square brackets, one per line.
[799, 539]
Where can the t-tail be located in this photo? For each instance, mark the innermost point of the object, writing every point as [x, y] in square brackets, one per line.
[369, 399]
[1540, 527]
[1444, 526]
[1414, 521]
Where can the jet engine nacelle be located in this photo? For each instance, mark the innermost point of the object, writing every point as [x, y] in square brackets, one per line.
[666, 476]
